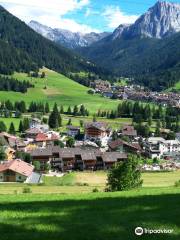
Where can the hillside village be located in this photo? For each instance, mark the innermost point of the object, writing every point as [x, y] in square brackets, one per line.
[41, 150]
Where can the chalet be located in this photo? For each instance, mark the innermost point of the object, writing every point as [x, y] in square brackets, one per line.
[12, 141]
[42, 155]
[110, 158]
[66, 159]
[129, 131]
[123, 146]
[43, 140]
[34, 122]
[18, 171]
[96, 130]
[73, 131]
[32, 132]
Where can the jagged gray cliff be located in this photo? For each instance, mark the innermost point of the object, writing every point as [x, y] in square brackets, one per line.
[161, 20]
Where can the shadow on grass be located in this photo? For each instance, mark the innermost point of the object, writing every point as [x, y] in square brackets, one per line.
[110, 218]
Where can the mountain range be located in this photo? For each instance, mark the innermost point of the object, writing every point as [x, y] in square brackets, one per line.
[67, 38]
[148, 50]
[22, 49]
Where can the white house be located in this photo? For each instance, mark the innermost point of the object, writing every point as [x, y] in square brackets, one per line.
[156, 147]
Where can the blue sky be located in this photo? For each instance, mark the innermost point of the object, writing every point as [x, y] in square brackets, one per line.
[79, 15]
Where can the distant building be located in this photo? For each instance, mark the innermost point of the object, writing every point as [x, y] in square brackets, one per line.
[100, 84]
[34, 122]
[123, 146]
[73, 131]
[96, 130]
[157, 147]
[129, 131]
[45, 139]
[32, 132]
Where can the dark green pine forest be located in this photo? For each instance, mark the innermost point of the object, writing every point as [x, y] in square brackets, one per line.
[154, 63]
[22, 49]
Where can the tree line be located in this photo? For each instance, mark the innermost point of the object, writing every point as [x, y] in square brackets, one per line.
[12, 84]
[7, 107]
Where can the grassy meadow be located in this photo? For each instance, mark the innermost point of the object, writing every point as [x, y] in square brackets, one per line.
[58, 88]
[67, 208]
[85, 182]
[100, 216]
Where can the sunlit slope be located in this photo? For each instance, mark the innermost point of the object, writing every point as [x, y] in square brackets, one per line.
[58, 88]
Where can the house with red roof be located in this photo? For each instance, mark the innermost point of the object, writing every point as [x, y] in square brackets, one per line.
[45, 139]
[18, 171]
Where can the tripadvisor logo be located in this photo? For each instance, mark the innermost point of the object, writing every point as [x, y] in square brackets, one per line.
[139, 231]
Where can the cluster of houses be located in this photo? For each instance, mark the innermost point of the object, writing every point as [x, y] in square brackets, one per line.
[135, 92]
[87, 154]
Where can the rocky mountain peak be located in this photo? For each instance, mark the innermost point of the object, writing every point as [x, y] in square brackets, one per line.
[161, 20]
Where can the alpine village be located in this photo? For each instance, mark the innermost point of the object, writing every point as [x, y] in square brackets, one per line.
[90, 129]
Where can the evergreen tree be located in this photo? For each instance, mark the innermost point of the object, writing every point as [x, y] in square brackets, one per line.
[12, 129]
[62, 110]
[158, 126]
[75, 111]
[55, 119]
[150, 121]
[26, 124]
[47, 108]
[69, 112]
[81, 123]
[69, 122]
[82, 110]
[2, 127]
[21, 127]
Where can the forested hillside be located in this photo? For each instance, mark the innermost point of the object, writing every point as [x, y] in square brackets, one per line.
[22, 49]
[153, 62]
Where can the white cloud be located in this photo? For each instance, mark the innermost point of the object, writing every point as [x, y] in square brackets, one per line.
[65, 23]
[60, 6]
[49, 12]
[114, 16]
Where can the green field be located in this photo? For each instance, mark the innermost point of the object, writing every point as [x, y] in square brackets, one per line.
[66, 208]
[59, 89]
[99, 216]
[85, 182]
[8, 121]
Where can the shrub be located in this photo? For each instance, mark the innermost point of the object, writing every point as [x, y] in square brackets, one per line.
[125, 175]
[26, 190]
[177, 183]
[81, 184]
[95, 190]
